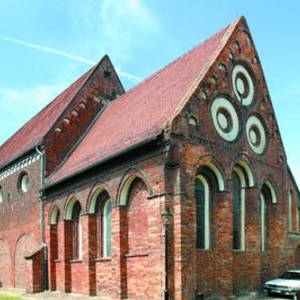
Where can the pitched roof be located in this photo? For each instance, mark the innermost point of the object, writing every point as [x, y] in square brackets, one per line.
[143, 111]
[32, 133]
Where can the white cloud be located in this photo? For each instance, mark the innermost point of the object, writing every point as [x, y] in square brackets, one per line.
[125, 25]
[28, 98]
[67, 55]
[19, 105]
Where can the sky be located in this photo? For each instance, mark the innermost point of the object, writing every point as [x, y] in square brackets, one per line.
[45, 45]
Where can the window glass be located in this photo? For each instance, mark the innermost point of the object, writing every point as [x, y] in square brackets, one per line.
[24, 183]
[202, 197]
[1, 194]
[291, 275]
[77, 231]
[107, 228]
[290, 206]
[200, 213]
[236, 212]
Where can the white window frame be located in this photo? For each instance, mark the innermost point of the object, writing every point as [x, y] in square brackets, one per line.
[262, 222]
[105, 229]
[242, 179]
[206, 212]
[290, 210]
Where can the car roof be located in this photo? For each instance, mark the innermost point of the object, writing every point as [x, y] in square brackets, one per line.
[294, 271]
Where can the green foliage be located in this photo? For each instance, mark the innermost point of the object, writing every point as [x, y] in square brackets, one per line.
[3, 297]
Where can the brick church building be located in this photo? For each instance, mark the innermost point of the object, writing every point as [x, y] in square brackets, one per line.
[86, 183]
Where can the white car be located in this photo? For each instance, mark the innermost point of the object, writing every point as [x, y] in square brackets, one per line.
[287, 284]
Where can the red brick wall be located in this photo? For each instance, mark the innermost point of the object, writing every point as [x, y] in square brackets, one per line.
[24, 247]
[137, 256]
[136, 266]
[5, 264]
[117, 275]
[80, 114]
[34, 270]
[221, 270]
[19, 223]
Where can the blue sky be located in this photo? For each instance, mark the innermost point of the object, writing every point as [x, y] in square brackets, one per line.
[46, 44]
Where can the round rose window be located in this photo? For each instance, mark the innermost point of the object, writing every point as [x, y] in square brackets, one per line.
[243, 85]
[256, 135]
[225, 119]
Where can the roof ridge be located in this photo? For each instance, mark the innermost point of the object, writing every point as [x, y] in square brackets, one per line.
[45, 107]
[185, 54]
[227, 33]
[160, 96]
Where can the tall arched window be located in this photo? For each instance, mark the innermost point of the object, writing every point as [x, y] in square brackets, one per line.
[290, 210]
[202, 196]
[265, 201]
[240, 180]
[263, 222]
[297, 218]
[76, 231]
[54, 233]
[236, 212]
[103, 211]
[106, 231]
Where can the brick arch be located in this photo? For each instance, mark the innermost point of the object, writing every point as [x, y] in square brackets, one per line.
[54, 215]
[244, 163]
[96, 190]
[25, 246]
[212, 163]
[126, 182]
[5, 263]
[69, 205]
[269, 182]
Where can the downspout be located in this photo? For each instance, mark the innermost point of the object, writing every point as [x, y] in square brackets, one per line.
[42, 217]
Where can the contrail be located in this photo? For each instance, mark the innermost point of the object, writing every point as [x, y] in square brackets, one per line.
[64, 54]
[128, 75]
[48, 50]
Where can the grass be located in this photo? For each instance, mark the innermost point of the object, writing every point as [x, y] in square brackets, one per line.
[3, 297]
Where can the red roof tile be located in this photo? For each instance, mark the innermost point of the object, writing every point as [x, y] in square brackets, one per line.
[32, 133]
[143, 111]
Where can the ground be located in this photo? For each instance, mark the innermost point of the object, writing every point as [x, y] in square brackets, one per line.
[19, 294]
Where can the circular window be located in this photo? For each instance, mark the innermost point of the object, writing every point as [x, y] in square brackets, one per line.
[24, 183]
[243, 85]
[225, 119]
[1, 195]
[256, 134]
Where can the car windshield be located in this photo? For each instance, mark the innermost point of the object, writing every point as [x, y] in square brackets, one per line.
[290, 275]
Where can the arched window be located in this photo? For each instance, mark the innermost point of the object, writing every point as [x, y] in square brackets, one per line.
[290, 210]
[107, 229]
[76, 231]
[265, 201]
[297, 218]
[202, 196]
[238, 208]
[54, 220]
[103, 211]
[237, 212]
